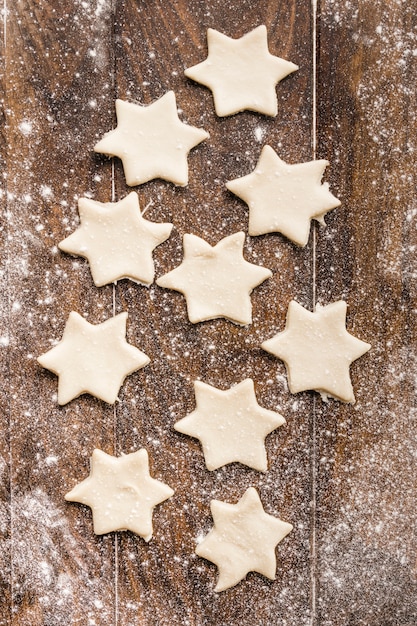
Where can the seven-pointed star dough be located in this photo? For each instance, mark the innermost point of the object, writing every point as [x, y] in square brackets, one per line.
[121, 493]
[242, 540]
[151, 141]
[317, 350]
[92, 359]
[216, 280]
[241, 73]
[230, 425]
[284, 197]
[116, 239]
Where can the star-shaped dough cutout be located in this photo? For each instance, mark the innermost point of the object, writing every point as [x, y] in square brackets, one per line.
[121, 493]
[241, 73]
[284, 197]
[151, 141]
[317, 350]
[216, 280]
[230, 425]
[242, 540]
[116, 240]
[92, 358]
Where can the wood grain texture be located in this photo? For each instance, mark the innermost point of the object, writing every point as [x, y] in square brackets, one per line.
[59, 572]
[5, 531]
[343, 475]
[149, 61]
[366, 498]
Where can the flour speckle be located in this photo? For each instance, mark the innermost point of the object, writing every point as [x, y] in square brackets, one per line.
[259, 133]
[46, 192]
[26, 127]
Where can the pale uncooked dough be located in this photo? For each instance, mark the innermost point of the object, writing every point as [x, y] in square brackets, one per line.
[216, 280]
[317, 350]
[242, 540]
[284, 197]
[121, 493]
[117, 241]
[151, 141]
[92, 359]
[230, 425]
[241, 73]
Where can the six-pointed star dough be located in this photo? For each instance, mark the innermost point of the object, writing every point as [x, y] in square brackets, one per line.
[241, 73]
[151, 141]
[317, 350]
[216, 281]
[230, 425]
[284, 197]
[121, 493]
[242, 540]
[92, 359]
[116, 239]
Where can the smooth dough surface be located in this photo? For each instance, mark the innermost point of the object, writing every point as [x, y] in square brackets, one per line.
[92, 358]
[317, 350]
[216, 280]
[230, 425]
[241, 73]
[284, 198]
[117, 240]
[243, 539]
[121, 493]
[151, 141]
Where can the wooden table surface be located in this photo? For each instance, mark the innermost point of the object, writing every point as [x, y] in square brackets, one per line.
[343, 475]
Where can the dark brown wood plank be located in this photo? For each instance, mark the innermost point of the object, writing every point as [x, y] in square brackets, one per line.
[366, 453]
[5, 536]
[164, 582]
[59, 70]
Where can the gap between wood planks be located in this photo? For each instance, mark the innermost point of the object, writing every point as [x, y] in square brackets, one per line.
[113, 199]
[313, 538]
[7, 252]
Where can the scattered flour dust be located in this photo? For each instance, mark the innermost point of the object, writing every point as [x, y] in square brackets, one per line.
[96, 8]
[26, 127]
[366, 549]
[370, 523]
[46, 566]
[392, 48]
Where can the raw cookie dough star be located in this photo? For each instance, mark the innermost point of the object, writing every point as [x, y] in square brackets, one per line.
[284, 197]
[216, 280]
[242, 540]
[317, 350]
[151, 141]
[241, 73]
[92, 359]
[116, 239]
[230, 425]
[121, 493]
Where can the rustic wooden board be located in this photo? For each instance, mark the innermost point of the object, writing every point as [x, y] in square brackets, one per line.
[343, 475]
[58, 569]
[5, 541]
[366, 495]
